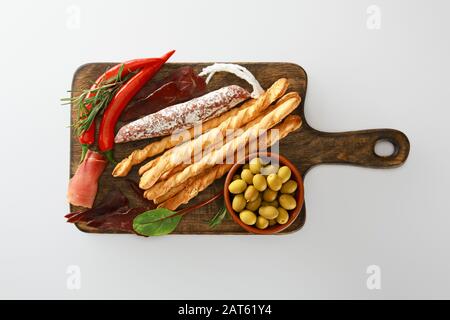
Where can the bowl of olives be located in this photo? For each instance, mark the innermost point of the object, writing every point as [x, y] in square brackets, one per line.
[264, 193]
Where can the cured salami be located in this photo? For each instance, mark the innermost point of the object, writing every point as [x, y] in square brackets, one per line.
[184, 115]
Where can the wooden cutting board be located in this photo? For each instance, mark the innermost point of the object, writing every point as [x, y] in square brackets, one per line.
[306, 148]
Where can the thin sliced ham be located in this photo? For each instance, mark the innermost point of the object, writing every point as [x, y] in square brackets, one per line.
[84, 184]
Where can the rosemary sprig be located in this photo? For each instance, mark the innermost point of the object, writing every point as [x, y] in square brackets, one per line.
[219, 217]
[100, 99]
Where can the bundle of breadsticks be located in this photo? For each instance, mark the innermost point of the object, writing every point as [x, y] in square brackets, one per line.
[193, 161]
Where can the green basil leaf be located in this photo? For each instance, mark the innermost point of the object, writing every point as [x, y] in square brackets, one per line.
[156, 222]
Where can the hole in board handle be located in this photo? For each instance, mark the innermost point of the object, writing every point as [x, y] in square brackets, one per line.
[385, 148]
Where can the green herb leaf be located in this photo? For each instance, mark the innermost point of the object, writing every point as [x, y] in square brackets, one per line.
[218, 218]
[102, 96]
[156, 222]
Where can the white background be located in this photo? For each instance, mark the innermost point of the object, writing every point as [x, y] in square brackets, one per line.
[397, 76]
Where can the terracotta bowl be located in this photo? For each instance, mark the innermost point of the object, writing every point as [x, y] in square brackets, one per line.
[299, 195]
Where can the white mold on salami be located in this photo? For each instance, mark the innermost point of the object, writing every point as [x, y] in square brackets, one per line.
[237, 70]
[183, 115]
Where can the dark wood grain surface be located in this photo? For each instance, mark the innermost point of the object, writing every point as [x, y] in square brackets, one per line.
[306, 147]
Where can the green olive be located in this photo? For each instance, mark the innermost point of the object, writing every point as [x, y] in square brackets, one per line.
[251, 194]
[274, 182]
[247, 176]
[235, 177]
[254, 205]
[269, 169]
[237, 186]
[268, 212]
[284, 173]
[289, 187]
[247, 217]
[255, 165]
[273, 203]
[287, 201]
[239, 203]
[283, 216]
[272, 222]
[269, 195]
[259, 182]
[261, 222]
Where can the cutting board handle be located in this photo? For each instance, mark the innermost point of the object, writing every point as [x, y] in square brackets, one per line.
[358, 148]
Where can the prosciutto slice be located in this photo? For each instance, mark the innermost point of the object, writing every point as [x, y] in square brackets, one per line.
[84, 184]
[181, 85]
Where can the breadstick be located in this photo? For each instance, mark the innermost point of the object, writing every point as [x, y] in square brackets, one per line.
[233, 135]
[172, 192]
[233, 122]
[198, 184]
[286, 106]
[188, 190]
[170, 173]
[183, 152]
[138, 156]
[169, 194]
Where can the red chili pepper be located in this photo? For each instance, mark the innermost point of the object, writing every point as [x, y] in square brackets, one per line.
[119, 102]
[88, 137]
